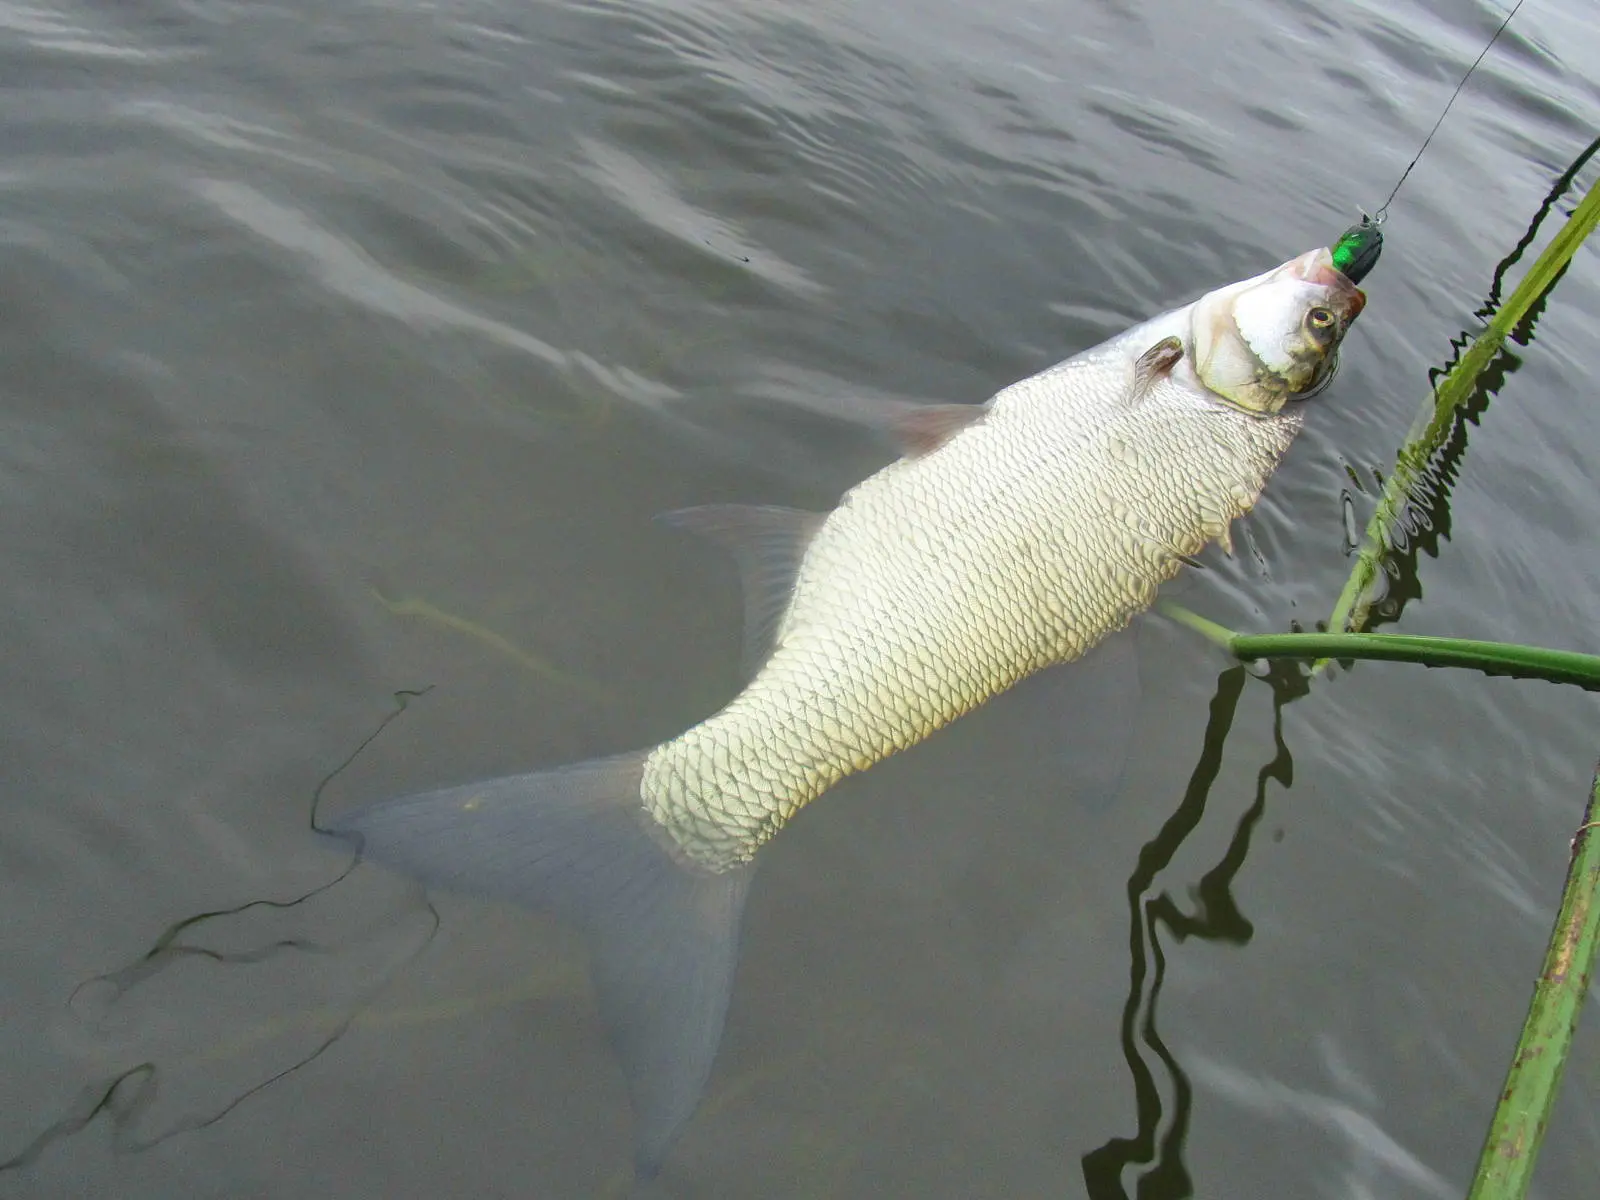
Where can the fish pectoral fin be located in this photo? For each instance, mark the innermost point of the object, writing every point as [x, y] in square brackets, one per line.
[1154, 364]
[922, 428]
[768, 544]
[576, 842]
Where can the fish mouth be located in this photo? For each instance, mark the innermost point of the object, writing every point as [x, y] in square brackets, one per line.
[1316, 267]
[1320, 379]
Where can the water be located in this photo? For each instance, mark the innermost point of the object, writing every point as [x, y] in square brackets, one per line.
[319, 321]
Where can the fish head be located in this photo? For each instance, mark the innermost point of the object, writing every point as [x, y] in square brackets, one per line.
[1264, 341]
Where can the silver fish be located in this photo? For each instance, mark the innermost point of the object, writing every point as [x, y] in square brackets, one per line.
[1015, 535]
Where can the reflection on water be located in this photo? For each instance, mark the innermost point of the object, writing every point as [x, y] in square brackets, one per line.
[1162, 1089]
[1432, 458]
[1163, 1106]
[354, 346]
[189, 1083]
[1373, 1161]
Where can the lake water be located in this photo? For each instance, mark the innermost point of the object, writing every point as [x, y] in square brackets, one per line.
[349, 348]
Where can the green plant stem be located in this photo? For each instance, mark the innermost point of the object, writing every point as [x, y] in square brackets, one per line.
[1492, 658]
[1210, 630]
[1506, 1165]
[1452, 394]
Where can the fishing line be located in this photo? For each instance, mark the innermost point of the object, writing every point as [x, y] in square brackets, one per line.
[1358, 247]
[1377, 217]
[126, 1097]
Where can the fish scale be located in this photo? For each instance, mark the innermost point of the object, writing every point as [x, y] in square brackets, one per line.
[1024, 555]
[1015, 536]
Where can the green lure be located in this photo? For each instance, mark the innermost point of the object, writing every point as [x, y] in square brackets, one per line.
[1356, 252]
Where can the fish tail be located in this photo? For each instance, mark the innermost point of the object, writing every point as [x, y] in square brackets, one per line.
[577, 842]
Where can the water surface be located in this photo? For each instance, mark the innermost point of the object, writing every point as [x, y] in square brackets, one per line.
[349, 348]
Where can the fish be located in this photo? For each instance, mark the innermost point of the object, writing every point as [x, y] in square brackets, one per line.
[1012, 536]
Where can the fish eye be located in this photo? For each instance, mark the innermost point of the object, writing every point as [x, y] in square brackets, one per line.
[1321, 318]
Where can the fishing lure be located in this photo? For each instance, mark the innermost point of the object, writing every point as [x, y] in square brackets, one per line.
[1356, 252]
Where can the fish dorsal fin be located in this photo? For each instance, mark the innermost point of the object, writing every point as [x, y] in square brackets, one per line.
[923, 428]
[767, 544]
[1154, 364]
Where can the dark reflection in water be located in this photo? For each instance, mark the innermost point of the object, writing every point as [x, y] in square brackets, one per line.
[339, 336]
[1216, 917]
[1163, 1113]
[126, 1099]
[1425, 518]
[1162, 1091]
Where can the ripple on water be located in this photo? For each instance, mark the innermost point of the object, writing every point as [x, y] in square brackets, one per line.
[345, 269]
[649, 196]
[291, 287]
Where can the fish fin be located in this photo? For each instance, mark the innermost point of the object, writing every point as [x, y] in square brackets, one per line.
[768, 544]
[577, 842]
[1154, 364]
[922, 428]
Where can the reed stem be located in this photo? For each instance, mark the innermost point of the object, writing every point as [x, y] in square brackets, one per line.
[1451, 397]
[1505, 1168]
